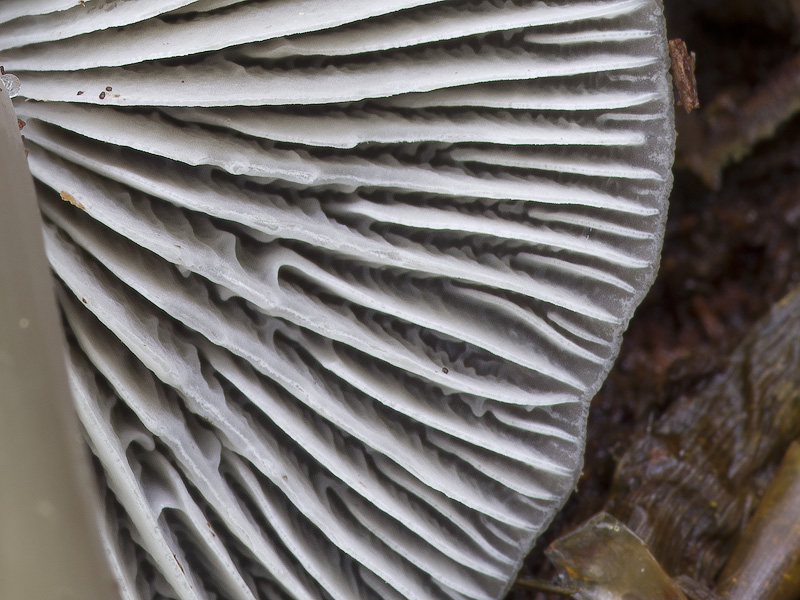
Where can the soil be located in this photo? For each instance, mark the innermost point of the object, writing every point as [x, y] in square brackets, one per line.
[729, 254]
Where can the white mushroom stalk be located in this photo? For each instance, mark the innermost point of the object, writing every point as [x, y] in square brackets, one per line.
[47, 503]
[340, 278]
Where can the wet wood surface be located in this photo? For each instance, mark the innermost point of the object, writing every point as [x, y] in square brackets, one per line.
[688, 485]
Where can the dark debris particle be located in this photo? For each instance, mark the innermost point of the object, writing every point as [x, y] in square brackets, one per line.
[102, 95]
[80, 93]
[179, 563]
[108, 88]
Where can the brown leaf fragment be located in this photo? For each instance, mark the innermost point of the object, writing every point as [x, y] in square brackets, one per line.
[683, 65]
[67, 197]
[606, 561]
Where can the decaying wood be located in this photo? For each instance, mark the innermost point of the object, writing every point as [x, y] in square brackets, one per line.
[688, 486]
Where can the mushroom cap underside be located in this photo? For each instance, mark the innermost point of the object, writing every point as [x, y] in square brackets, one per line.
[340, 278]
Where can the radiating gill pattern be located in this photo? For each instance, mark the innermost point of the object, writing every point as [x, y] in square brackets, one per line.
[340, 278]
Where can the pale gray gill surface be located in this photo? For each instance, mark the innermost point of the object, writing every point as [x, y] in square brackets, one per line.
[340, 279]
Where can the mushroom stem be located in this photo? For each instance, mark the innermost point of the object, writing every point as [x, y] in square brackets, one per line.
[49, 547]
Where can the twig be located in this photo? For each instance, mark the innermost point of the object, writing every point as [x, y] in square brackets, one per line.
[683, 64]
[542, 586]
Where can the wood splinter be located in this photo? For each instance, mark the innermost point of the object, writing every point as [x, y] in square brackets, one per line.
[683, 65]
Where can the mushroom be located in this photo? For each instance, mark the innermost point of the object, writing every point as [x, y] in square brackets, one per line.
[340, 279]
[45, 509]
